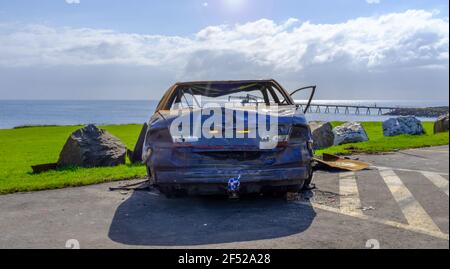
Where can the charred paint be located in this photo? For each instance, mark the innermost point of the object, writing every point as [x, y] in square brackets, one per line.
[214, 161]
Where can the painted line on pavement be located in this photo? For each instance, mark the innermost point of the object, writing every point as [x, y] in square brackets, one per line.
[411, 208]
[349, 195]
[408, 170]
[436, 234]
[437, 180]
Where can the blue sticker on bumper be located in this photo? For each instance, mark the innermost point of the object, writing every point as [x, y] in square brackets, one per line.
[234, 184]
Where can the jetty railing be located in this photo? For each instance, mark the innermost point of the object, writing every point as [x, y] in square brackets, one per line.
[347, 109]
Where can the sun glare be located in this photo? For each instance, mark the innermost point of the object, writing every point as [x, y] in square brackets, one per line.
[235, 4]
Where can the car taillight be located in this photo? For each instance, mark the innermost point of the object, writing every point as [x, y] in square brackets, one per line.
[160, 135]
[300, 133]
[282, 138]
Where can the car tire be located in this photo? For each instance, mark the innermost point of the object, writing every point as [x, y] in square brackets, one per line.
[149, 173]
[150, 176]
[171, 192]
[283, 190]
[307, 183]
[299, 187]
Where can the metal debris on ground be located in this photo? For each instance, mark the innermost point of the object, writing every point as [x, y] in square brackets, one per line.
[335, 162]
[293, 196]
[302, 196]
[139, 186]
[41, 168]
[323, 197]
[310, 187]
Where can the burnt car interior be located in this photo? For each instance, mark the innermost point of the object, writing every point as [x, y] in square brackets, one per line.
[244, 93]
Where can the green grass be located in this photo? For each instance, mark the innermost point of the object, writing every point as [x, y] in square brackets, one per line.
[378, 143]
[21, 148]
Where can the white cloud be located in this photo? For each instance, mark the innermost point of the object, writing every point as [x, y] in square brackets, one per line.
[70, 2]
[373, 1]
[411, 38]
[338, 56]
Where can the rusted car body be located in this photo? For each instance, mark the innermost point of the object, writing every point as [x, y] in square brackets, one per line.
[198, 165]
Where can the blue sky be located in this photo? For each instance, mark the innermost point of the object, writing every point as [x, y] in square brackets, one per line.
[183, 17]
[135, 49]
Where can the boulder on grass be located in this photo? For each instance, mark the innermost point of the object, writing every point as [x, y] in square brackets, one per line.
[350, 132]
[92, 147]
[322, 133]
[441, 125]
[408, 125]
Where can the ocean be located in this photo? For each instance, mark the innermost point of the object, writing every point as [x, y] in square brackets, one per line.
[18, 113]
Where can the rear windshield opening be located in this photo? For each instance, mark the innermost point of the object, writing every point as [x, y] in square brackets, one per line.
[249, 94]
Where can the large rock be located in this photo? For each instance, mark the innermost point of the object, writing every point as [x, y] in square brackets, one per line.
[350, 132]
[441, 125]
[92, 147]
[322, 133]
[408, 125]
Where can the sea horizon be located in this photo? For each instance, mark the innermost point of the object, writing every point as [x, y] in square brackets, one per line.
[16, 113]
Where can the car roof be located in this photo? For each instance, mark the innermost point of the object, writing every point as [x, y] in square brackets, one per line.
[223, 82]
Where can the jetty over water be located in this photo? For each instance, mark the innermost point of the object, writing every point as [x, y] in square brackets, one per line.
[348, 109]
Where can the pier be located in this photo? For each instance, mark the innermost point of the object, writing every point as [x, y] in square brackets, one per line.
[347, 109]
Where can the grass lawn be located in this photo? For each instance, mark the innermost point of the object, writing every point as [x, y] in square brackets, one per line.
[21, 148]
[378, 143]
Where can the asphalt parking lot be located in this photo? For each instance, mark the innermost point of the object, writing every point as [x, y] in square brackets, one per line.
[401, 202]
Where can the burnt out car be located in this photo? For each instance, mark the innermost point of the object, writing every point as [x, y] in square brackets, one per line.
[228, 137]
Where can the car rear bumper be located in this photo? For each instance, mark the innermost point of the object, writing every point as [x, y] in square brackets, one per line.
[222, 175]
[245, 188]
[188, 169]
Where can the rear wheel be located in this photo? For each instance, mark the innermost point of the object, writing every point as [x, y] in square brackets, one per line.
[296, 188]
[171, 192]
[149, 173]
[150, 177]
[307, 183]
[283, 190]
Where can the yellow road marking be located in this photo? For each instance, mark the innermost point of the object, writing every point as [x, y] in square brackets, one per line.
[406, 170]
[430, 150]
[412, 210]
[437, 180]
[436, 234]
[348, 189]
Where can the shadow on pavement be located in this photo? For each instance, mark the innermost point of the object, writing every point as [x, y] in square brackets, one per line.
[149, 220]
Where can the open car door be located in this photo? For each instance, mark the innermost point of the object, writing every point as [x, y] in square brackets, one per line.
[313, 91]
